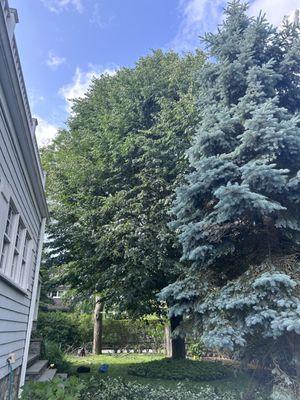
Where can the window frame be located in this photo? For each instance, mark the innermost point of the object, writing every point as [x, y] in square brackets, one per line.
[17, 263]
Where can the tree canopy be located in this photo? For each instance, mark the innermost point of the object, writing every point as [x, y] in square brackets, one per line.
[111, 176]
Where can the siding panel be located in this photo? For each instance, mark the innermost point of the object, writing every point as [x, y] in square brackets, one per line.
[12, 305]
[5, 371]
[12, 337]
[7, 315]
[12, 347]
[12, 326]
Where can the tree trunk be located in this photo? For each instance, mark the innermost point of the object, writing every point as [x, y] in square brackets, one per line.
[177, 342]
[98, 326]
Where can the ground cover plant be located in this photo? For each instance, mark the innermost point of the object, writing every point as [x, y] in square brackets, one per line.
[70, 389]
[181, 370]
[115, 389]
[118, 389]
[52, 352]
[119, 384]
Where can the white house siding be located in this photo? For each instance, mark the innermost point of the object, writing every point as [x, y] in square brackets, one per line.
[22, 181]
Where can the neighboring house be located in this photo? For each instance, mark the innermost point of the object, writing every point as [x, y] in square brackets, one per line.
[56, 297]
[23, 212]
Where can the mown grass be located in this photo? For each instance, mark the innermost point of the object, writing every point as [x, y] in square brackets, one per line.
[120, 363]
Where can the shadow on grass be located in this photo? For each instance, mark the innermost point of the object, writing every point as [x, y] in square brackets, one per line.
[120, 363]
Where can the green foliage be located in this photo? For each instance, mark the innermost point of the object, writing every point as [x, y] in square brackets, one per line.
[237, 214]
[84, 323]
[73, 330]
[195, 349]
[115, 389]
[52, 352]
[137, 335]
[70, 389]
[181, 370]
[66, 329]
[111, 177]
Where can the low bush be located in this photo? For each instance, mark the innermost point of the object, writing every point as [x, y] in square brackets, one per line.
[52, 352]
[195, 349]
[60, 327]
[70, 389]
[181, 370]
[137, 335]
[117, 389]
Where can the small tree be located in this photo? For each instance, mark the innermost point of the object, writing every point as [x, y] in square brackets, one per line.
[237, 217]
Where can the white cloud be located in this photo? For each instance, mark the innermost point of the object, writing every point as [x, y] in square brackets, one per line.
[54, 60]
[45, 132]
[98, 18]
[200, 16]
[275, 9]
[61, 5]
[35, 98]
[81, 82]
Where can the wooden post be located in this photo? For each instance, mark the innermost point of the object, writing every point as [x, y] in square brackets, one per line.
[168, 345]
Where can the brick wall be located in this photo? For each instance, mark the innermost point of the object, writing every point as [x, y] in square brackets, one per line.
[4, 385]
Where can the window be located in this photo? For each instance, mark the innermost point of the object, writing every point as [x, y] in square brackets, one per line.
[4, 254]
[24, 259]
[56, 294]
[9, 222]
[19, 234]
[6, 244]
[14, 262]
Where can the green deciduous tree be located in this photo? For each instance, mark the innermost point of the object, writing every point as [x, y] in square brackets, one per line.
[111, 176]
[237, 215]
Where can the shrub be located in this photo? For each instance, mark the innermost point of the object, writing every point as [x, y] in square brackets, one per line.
[181, 369]
[139, 334]
[72, 330]
[58, 327]
[85, 327]
[116, 389]
[195, 349]
[70, 389]
[51, 351]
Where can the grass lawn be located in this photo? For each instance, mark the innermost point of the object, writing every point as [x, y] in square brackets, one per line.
[118, 367]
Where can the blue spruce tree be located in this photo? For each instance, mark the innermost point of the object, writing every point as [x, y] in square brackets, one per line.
[237, 215]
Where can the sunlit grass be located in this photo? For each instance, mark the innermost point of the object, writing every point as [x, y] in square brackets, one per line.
[119, 363]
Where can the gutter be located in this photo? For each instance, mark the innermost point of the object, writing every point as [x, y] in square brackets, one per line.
[32, 304]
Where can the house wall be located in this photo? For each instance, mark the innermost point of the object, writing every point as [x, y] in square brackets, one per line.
[22, 182]
[14, 304]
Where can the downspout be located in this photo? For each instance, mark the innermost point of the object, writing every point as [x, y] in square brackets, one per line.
[32, 303]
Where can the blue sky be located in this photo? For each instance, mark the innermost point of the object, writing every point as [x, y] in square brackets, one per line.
[63, 43]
